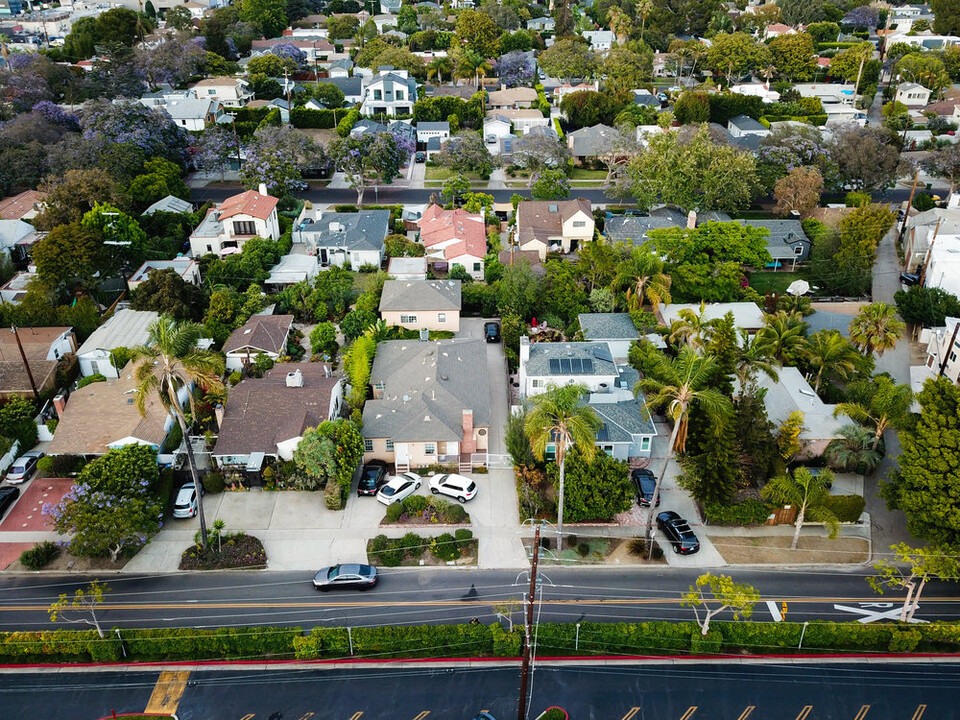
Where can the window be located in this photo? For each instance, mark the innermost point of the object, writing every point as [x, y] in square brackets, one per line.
[798, 250]
[389, 445]
[579, 223]
[645, 444]
[608, 449]
[368, 445]
[476, 267]
[378, 95]
[953, 357]
[429, 448]
[537, 383]
[211, 91]
[404, 319]
[244, 227]
[378, 386]
[441, 317]
[399, 94]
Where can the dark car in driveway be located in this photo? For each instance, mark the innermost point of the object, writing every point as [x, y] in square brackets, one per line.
[678, 533]
[646, 483]
[372, 478]
[910, 279]
[8, 496]
[491, 332]
[344, 575]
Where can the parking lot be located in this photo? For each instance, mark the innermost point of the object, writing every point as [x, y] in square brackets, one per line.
[26, 515]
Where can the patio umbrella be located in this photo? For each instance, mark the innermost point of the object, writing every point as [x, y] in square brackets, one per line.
[798, 287]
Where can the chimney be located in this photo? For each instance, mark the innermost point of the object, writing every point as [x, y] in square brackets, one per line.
[262, 189]
[467, 423]
[59, 403]
[692, 220]
[218, 413]
[953, 202]
[524, 349]
[503, 86]
[295, 379]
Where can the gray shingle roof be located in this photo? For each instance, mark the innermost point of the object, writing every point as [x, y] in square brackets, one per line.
[127, 328]
[364, 230]
[608, 326]
[435, 126]
[623, 419]
[427, 386]
[745, 122]
[169, 204]
[349, 86]
[785, 236]
[598, 353]
[404, 295]
[623, 228]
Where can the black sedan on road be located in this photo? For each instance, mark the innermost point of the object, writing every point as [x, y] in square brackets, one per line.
[361, 577]
[678, 533]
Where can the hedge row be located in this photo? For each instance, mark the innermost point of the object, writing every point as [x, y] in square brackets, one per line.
[475, 640]
[306, 118]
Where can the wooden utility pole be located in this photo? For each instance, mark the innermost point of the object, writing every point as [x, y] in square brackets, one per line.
[906, 213]
[528, 628]
[26, 366]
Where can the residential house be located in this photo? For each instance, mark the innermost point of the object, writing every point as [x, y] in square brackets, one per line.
[746, 315]
[541, 24]
[942, 346]
[600, 40]
[756, 89]
[589, 142]
[776, 30]
[560, 92]
[293, 268]
[787, 243]
[230, 91]
[928, 230]
[340, 68]
[431, 404]
[351, 87]
[456, 237]
[615, 329]
[421, 304]
[42, 348]
[265, 334]
[791, 393]
[185, 267]
[170, 204]
[390, 6]
[427, 131]
[15, 288]
[225, 229]
[385, 22]
[194, 114]
[635, 228]
[627, 430]
[742, 125]
[391, 92]
[922, 41]
[550, 226]
[645, 97]
[367, 127]
[268, 415]
[912, 94]
[125, 329]
[23, 206]
[347, 239]
[16, 237]
[407, 268]
[524, 120]
[496, 129]
[511, 98]
[828, 93]
[103, 416]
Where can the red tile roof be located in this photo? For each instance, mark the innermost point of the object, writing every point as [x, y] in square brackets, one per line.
[14, 208]
[248, 203]
[466, 229]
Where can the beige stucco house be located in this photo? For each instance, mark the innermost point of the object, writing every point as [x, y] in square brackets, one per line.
[421, 304]
[553, 225]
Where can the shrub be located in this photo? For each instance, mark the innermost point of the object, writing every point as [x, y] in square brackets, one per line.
[444, 547]
[52, 425]
[40, 555]
[83, 382]
[748, 512]
[173, 440]
[554, 713]
[705, 645]
[333, 496]
[45, 464]
[394, 512]
[235, 377]
[455, 514]
[583, 549]
[847, 508]
[213, 483]
[66, 465]
[415, 504]
[463, 537]
[413, 545]
[857, 199]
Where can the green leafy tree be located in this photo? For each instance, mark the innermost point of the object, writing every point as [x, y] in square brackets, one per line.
[165, 292]
[550, 184]
[568, 58]
[627, 66]
[357, 364]
[946, 16]
[454, 188]
[923, 68]
[559, 418]
[853, 450]
[926, 306]
[876, 329]
[518, 291]
[323, 339]
[355, 322]
[798, 191]
[159, 179]
[722, 590]
[517, 441]
[167, 367]
[466, 152]
[330, 452]
[477, 32]
[268, 15]
[806, 492]
[788, 436]
[68, 256]
[944, 163]
[735, 54]
[911, 570]
[793, 56]
[596, 490]
[83, 607]
[880, 403]
[17, 423]
[867, 158]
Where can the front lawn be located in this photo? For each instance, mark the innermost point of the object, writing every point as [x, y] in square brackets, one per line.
[579, 173]
[440, 173]
[775, 282]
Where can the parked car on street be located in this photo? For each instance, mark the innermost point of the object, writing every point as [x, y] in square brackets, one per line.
[420, 157]
[344, 575]
[399, 487]
[678, 533]
[646, 484]
[372, 478]
[491, 332]
[454, 485]
[8, 496]
[187, 504]
[910, 278]
[23, 467]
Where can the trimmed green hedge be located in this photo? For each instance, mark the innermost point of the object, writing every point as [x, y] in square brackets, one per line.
[748, 512]
[306, 118]
[847, 508]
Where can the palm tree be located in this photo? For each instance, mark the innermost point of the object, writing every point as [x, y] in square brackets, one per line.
[888, 406]
[677, 386]
[620, 23]
[876, 329]
[830, 354]
[471, 64]
[642, 274]
[806, 492]
[853, 451]
[753, 357]
[439, 67]
[643, 8]
[169, 364]
[691, 327]
[559, 417]
[783, 335]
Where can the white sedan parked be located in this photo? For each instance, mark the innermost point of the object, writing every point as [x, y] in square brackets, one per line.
[399, 487]
[457, 486]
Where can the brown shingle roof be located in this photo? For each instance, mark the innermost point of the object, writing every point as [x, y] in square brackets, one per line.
[260, 332]
[263, 412]
[535, 221]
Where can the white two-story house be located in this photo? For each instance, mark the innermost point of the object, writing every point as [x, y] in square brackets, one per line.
[225, 229]
[391, 92]
[230, 91]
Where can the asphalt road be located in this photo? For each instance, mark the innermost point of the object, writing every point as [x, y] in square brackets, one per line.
[650, 691]
[434, 596]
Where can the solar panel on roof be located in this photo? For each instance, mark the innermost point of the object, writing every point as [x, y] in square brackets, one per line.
[554, 366]
[565, 366]
[575, 367]
[587, 367]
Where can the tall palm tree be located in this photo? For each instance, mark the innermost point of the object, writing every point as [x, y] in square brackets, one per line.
[783, 335]
[806, 492]
[830, 354]
[620, 24]
[691, 327]
[561, 418]
[677, 386]
[888, 406]
[754, 356]
[641, 273]
[471, 64]
[438, 67]
[169, 364]
[876, 329]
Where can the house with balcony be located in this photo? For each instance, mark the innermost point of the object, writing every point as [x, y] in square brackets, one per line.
[225, 229]
[512, 98]
[391, 92]
[456, 237]
[229, 91]
[349, 240]
[431, 404]
[421, 304]
[553, 225]
[627, 428]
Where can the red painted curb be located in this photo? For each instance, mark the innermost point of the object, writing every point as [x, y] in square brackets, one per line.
[542, 658]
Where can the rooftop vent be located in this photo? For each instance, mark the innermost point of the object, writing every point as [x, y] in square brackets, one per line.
[553, 208]
[295, 379]
[335, 227]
